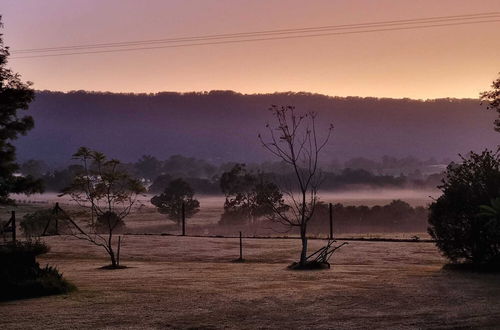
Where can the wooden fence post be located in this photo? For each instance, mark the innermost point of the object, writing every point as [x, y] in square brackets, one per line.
[183, 219]
[241, 248]
[331, 220]
[118, 251]
[56, 216]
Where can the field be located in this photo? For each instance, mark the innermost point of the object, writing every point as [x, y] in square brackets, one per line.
[189, 282]
[183, 282]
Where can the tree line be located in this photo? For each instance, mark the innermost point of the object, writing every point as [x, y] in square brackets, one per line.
[205, 177]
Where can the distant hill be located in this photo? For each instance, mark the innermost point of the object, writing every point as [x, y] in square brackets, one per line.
[223, 125]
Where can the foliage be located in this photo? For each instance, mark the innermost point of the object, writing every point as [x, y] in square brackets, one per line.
[491, 211]
[177, 193]
[108, 192]
[248, 196]
[30, 247]
[396, 216]
[22, 277]
[148, 167]
[200, 185]
[57, 180]
[492, 98]
[33, 167]
[33, 224]
[109, 221]
[457, 220]
[15, 95]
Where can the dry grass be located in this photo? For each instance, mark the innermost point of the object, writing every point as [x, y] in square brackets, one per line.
[177, 282]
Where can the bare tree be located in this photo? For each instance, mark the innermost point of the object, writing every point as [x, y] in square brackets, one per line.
[108, 193]
[294, 140]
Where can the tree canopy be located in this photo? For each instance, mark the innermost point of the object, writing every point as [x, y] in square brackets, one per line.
[248, 196]
[492, 98]
[176, 194]
[463, 231]
[15, 95]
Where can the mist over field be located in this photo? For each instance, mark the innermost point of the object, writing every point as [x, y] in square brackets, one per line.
[223, 126]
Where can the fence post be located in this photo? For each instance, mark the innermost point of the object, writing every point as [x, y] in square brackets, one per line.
[241, 248]
[118, 251]
[331, 220]
[183, 219]
[56, 216]
[13, 219]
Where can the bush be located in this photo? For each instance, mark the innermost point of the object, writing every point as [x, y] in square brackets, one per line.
[33, 224]
[22, 277]
[109, 220]
[463, 232]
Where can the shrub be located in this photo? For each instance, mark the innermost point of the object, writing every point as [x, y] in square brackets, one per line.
[109, 221]
[33, 224]
[464, 233]
[22, 277]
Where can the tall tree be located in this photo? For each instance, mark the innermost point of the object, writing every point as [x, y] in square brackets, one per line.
[293, 139]
[492, 99]
[15, 95]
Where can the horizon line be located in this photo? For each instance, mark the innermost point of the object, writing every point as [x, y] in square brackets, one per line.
[207, 92]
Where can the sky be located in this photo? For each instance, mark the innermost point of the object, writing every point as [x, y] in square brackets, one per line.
[452, 61]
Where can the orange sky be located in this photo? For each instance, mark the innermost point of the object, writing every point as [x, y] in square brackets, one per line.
[457, 61]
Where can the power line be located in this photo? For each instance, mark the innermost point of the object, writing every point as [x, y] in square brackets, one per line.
[273, 35]
[268, 32]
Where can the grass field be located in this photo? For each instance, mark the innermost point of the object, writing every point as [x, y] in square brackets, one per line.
[183, 282]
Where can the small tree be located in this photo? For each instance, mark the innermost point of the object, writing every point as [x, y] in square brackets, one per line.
[177, 193]
[294, 140]
[460, 220]
[108, 193]
[248, 196]
[492, 98]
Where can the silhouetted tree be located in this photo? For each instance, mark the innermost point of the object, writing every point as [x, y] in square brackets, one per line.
[462, 231]
[108, 192]
[492, 98]
[57, 180]
[294, 140]
[35, 168]
[248, 196]
[15, 95]
[148, 167]
[177, 193]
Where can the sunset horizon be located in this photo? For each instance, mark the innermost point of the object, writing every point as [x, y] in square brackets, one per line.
[424, 50]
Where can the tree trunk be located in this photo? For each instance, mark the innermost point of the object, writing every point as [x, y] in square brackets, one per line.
[303, 238]
[112, 257]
